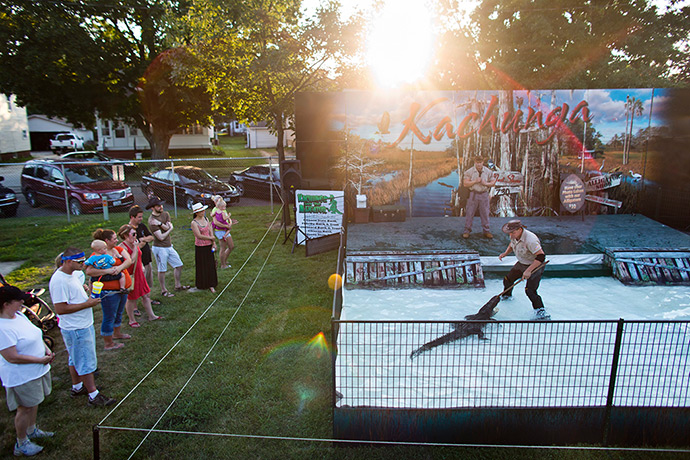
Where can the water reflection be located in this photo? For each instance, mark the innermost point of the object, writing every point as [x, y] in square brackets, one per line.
[432, 200]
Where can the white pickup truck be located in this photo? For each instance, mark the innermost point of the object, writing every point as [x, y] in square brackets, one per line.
[65, 142]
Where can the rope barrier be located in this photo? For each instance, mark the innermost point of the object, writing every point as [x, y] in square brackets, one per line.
[256, 278]
[394, 443]
[203, 314]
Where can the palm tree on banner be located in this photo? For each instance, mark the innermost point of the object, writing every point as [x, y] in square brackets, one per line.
[633, 108]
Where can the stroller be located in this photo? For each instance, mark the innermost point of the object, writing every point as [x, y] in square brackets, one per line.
[38, 312]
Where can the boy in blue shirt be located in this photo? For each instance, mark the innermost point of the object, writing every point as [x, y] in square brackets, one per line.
[103, 261]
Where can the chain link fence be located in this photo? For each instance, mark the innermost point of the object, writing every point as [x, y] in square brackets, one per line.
[521, 364]
[53, 186]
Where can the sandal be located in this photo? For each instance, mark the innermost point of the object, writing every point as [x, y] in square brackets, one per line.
[134, 324]
[155, 302]
[182, 288]
[137, 313]
[115, 346]
[168, 294]
[123, 337]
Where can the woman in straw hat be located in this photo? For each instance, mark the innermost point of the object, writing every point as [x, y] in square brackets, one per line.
[204, 246]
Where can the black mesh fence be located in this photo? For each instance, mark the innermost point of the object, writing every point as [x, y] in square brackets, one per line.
[516, 364]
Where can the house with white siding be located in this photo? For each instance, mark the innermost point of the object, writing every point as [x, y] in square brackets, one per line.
[260, 137]
[14, 129]
[121, 141]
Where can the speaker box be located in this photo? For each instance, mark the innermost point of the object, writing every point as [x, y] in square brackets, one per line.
[318, 138]
[291, 177]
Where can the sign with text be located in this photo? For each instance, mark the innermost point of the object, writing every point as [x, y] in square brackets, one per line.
[318, 213]
[604, 181]
[604, 201]
[572, 193]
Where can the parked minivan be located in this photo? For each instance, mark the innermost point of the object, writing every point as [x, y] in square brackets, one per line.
[86, 184]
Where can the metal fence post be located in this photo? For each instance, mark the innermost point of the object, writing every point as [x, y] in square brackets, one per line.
[96, 443]
[64, 188]
[104, 203]
[333, 358]
[271, 184]
[612, 381]
[174, 192]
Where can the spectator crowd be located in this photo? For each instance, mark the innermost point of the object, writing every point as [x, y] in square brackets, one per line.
[117, 275]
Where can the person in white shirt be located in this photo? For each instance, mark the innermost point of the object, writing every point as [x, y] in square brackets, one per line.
[74, 308]
[24, 369]
[530, 257]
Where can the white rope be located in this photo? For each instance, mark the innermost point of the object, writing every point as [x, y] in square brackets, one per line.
[393, 443]
[256, 278]
[193, 324]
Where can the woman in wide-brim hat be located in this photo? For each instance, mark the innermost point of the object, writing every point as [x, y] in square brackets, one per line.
[204, 247]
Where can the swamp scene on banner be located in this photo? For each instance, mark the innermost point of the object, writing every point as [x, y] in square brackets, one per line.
[411, 148]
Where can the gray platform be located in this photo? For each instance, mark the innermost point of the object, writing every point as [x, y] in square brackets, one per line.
[559, 235]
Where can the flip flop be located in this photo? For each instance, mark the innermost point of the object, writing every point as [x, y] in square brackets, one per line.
[134, 324]
[137, 313]
[156, 318]
[115, 346]
[168, 294]
[182, 288]
[155, 302]
[123, 337]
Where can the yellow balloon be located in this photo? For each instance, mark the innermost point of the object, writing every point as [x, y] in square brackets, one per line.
[335, 281]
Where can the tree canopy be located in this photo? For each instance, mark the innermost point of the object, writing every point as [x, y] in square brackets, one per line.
[256, 55]
[563, 44]
[76, 59]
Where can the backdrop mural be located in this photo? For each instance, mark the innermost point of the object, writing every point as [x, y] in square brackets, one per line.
[627, 146]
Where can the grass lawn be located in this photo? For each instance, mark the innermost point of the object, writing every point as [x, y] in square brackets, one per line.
[245, 362]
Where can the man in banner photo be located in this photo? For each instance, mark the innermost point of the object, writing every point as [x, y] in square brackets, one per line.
[479, 180]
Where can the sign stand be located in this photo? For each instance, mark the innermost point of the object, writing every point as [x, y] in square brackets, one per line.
[297, 229]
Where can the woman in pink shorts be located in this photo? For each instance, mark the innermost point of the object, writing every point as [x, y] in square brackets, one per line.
[222, 223]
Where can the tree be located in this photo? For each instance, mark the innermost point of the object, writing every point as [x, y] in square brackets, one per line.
[633, 108]
[76, 59]
[356, 165]
[167, 104]
[549, 44]
[256, 55]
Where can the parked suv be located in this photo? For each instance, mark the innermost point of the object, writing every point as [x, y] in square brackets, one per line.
[8, 200]
[65, 142]
[86, 184]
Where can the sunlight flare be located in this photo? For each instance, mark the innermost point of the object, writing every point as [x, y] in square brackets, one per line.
[400, 43]
[318, 344]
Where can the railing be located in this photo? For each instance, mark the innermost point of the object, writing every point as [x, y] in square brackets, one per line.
[520, 364]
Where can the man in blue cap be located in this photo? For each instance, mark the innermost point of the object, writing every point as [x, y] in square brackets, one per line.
[74, 307]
